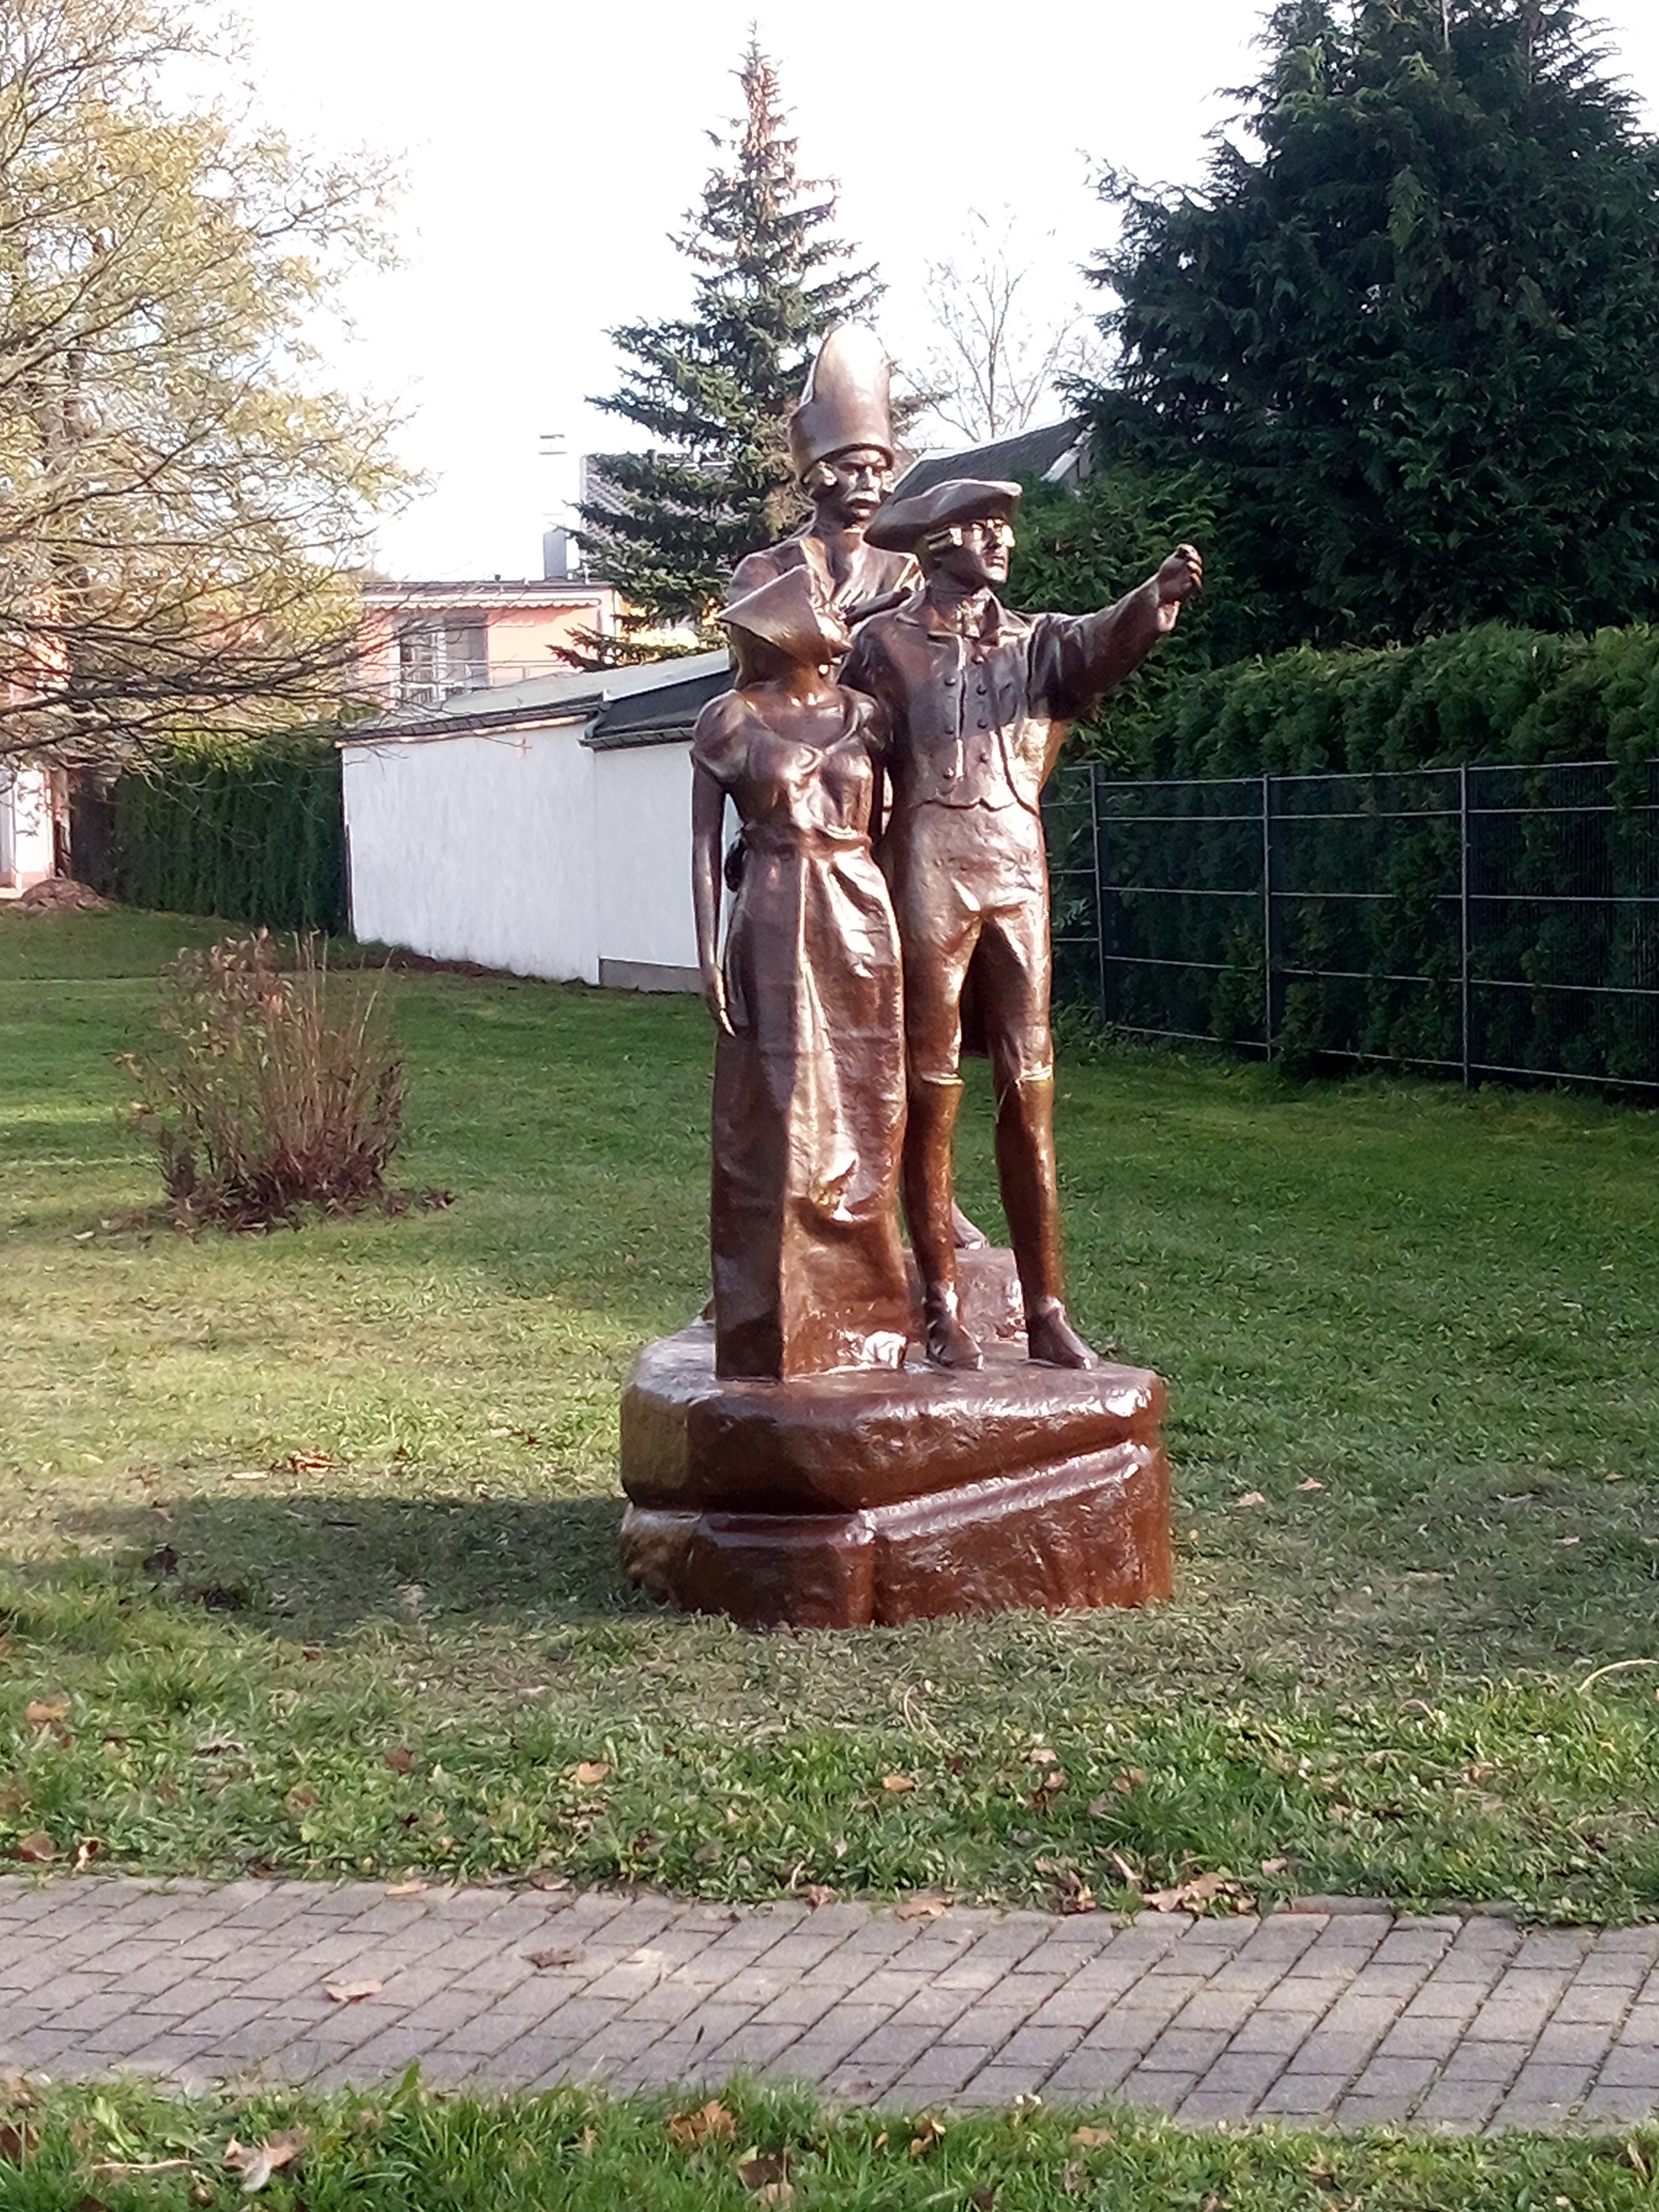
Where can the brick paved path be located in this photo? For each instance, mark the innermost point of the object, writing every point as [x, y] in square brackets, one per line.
[1345, 2018]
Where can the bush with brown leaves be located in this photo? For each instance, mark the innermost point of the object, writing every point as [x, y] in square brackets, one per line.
[273, 1086]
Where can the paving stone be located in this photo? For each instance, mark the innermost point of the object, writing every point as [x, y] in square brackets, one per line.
[1625, 2068]
[1163, 2092]
[1240, 2071]
[1398, 2080]
[1414, 2037]
[1302, 2096]
[1274, 2032]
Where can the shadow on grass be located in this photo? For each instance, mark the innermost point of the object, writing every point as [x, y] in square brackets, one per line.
[317, 1567]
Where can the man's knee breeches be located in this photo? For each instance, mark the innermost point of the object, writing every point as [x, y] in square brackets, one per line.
[951, 942]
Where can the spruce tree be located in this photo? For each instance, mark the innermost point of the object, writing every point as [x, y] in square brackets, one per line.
[714, 391]
[1408, 336]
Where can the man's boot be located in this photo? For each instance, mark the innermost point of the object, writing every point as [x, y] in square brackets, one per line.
[930, 1210]
[1030, 1198]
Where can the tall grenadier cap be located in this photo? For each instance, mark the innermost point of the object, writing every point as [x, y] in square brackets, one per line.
[902, 524]
[845, 400]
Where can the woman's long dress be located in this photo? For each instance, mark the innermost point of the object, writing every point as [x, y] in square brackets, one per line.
[809, 1091]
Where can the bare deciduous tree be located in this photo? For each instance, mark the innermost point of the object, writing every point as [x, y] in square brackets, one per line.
[996, 355]
[182, 499]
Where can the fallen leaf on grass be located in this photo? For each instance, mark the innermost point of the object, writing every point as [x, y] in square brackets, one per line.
[571, 1956]
[1040, 1757]
[308, 1462]
[707, 1855]
[1186, 1895]
[45, 1711]
[775, 2192]
[400, 1759]
[350, 1992]
[590, 1770]
[1252, 1498]
[929, 2131]
[544, 1878]
[1633, 2152]
[1124, 1868]
[86, 1851]
[35, 1848]
[1274, 1866]
[760, 2169]
[257, 2162]
[982, 2199]
[16, 2142]
[818, 1893]
[709, 2123]
[1311, 1484]
[922, 1907]
[1092, 2138]
[412, 1887]
[895, 1783]
[301, 1798]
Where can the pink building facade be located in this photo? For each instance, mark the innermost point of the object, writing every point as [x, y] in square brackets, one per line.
[422, 643]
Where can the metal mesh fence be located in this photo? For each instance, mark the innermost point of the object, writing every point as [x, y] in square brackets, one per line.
[1477, 921]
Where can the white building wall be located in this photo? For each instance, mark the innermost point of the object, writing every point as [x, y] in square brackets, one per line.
[25, 842]
[647, 937]
[477, 847]
[528, 852]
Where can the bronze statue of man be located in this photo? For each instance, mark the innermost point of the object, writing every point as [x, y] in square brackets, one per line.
[980, 700]
[841, 442]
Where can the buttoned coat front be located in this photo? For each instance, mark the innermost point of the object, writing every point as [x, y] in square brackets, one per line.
[978, 717]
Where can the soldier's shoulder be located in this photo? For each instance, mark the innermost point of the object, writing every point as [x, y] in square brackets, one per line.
[757, 568]
[877, 632]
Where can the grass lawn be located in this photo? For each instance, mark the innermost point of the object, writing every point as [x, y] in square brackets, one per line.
[391, 2152]
[380, 1459]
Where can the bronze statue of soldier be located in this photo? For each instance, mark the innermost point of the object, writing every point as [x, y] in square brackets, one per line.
[979, 701]
[840, 444]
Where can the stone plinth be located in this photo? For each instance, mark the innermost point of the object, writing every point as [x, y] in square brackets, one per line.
[884, 1495]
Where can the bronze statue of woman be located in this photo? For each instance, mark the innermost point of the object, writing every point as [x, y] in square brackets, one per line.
[809, 1073]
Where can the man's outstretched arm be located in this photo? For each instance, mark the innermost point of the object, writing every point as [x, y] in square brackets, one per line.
[1092, 653]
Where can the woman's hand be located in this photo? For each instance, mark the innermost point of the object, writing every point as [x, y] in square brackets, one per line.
[714, 997]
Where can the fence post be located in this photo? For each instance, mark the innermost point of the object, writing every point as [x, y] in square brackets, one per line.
[1267, 914]
[1100, 889]
[1463, 908]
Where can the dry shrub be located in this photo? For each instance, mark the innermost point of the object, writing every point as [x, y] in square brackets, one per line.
[274, 1086]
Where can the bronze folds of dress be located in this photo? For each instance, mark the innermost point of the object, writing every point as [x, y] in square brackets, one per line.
[809, 1085]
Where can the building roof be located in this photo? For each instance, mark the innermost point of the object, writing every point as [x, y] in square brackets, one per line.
[665, 711]
[1032, 453]
[483, 591]
[574, 696]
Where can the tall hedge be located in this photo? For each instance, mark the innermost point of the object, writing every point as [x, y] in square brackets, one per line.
[254, 830]
[1492, 694]
[1368, 869]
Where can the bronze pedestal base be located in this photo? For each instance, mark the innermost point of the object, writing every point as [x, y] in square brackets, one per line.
[883, 1495]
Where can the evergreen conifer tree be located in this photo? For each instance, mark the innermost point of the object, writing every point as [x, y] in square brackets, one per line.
[1409, 336]
[714, 391]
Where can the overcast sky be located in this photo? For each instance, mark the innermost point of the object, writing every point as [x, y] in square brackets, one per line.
[549, 149]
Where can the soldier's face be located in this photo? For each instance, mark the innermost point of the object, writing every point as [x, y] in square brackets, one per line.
[980, 556]
[858, 484]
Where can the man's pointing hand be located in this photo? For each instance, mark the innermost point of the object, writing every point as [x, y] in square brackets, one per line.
[1181, 577]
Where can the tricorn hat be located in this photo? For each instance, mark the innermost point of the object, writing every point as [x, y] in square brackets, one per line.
[902, 524]
[845, 403]
[787, 612]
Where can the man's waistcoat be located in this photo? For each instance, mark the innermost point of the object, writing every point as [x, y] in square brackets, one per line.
[978, 720]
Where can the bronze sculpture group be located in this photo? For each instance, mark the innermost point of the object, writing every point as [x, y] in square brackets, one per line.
[954, 710]
[883, 746]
